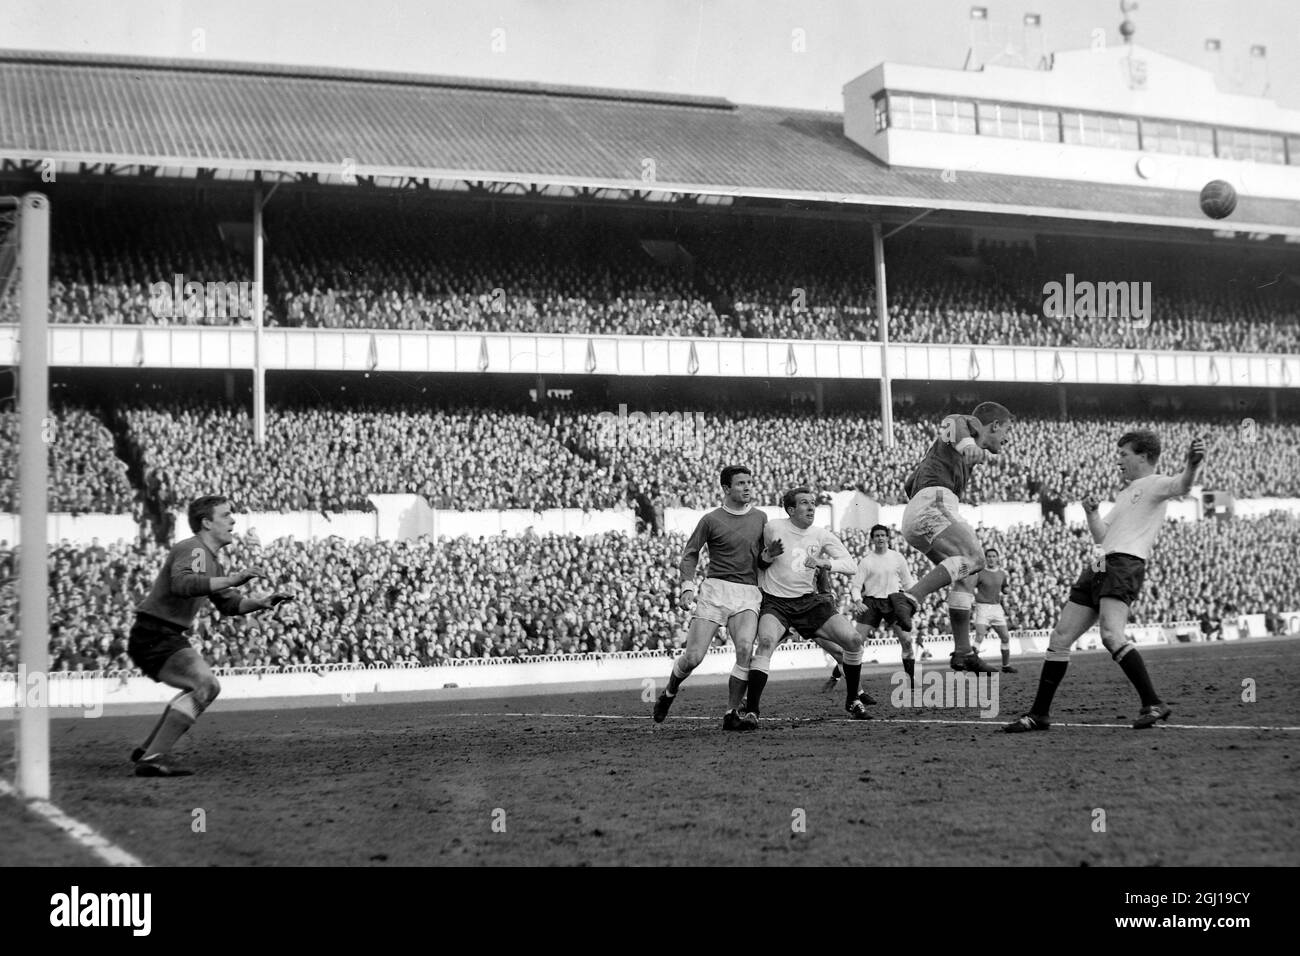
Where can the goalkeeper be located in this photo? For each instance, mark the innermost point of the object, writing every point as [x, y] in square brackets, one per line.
[158, 644]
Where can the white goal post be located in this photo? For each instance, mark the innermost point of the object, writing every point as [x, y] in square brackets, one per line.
[30, 260]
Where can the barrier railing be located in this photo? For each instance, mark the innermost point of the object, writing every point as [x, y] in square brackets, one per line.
[1030, 639]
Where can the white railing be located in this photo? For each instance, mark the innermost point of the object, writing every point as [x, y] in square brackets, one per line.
[231, 347]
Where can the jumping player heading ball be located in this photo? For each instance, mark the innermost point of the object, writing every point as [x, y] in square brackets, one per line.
[932, 526]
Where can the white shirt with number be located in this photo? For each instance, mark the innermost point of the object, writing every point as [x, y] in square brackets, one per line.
[787, 577]
[1133, 525]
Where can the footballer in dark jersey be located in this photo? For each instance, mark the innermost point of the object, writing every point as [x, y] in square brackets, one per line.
[157, 643]
[932, 525]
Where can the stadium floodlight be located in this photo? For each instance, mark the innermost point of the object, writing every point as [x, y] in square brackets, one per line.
[979, 13]
[1212, 45]
[1258, 51]
[33, 265]
[1033, 20]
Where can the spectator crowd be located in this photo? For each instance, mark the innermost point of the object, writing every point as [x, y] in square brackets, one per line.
[403, 270]
[331, 455]
[426, 602]
[85, 473]
[476, 457]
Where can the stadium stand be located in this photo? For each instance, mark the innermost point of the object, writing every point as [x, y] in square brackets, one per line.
[85, 473]
[332, 453]
[479, 457]
[425, 602]
[345, 269]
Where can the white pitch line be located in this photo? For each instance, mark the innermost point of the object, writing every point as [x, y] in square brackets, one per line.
[110, 853]
[884, 720]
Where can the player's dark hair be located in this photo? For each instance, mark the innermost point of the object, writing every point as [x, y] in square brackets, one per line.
[989, 412]
[201, 509]
[992, 551]
[791, 497]
[1144, 442]
[731, 471]
[879, 527]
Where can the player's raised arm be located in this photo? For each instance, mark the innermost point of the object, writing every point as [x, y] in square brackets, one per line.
[1195, 458]
[963, 433]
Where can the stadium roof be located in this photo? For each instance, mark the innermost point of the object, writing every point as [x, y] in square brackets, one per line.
[300, 120]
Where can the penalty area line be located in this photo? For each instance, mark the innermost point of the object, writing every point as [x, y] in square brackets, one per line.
[991, 722]
[81, 834]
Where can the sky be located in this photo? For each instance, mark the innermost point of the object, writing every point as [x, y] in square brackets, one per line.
[789, 53]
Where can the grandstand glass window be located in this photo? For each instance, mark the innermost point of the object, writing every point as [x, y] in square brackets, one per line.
[928, 113]
[911, 112]
[1293, 149]
[1250, 145]
[1019, 122]
[954, 116]
[1183, 139]
[1094, 129]
[990, 120]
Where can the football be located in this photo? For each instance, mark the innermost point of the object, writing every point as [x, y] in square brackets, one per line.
[1218, 199]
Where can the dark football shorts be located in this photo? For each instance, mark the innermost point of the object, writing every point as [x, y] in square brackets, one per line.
[152, 641]
[805, 614]
[889, 611]
[1122, 580]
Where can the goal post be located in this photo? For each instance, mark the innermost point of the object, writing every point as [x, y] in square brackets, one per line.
[29, 269]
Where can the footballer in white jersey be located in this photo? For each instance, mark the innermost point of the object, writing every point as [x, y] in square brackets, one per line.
[1112, 580]
[876, 595]
[794, 550]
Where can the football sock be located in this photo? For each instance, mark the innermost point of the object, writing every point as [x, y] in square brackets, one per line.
[909, 666]
[1051, 677]
[960, 618]
[156, 727]
[675, 679]
[1006, 655]
[852, 674]
[1135, 669]
[757, 681]
[177, 718]
[735, 691]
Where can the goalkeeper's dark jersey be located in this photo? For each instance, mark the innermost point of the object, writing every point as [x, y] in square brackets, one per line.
[183, 585]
